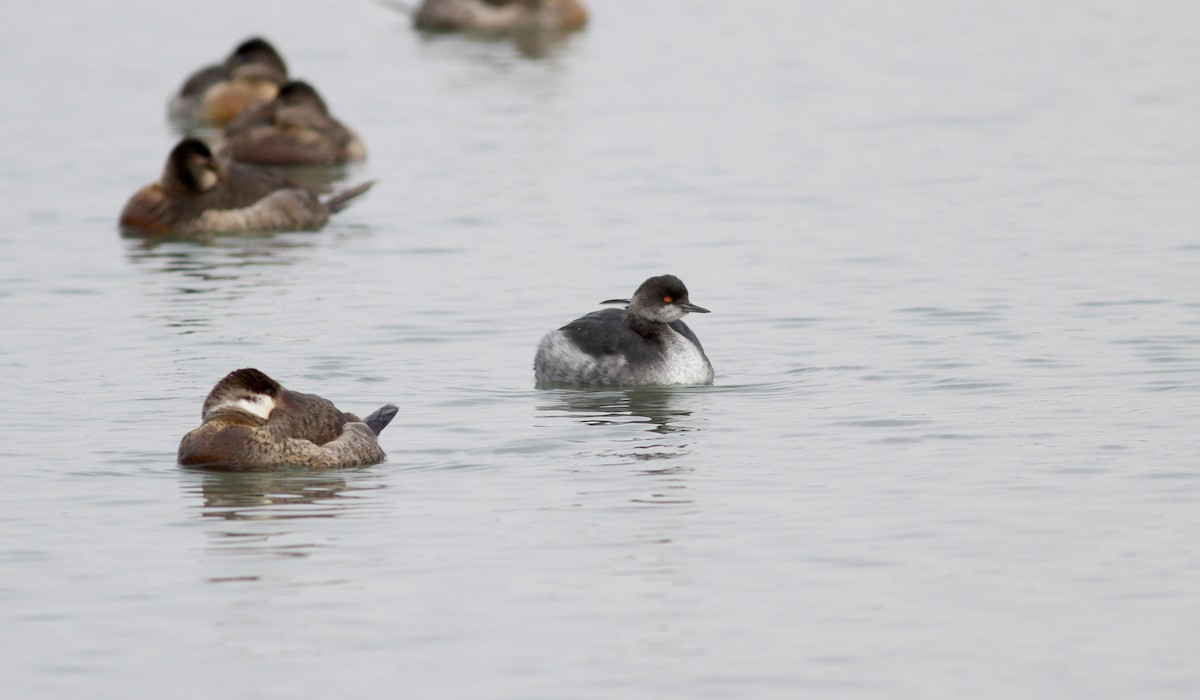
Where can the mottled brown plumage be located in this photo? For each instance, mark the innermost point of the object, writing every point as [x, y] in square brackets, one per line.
[251, 422]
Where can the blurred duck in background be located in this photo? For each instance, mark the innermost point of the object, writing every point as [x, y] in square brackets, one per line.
[500, 15]
[295, 128]
[198, 193]
[249, 77]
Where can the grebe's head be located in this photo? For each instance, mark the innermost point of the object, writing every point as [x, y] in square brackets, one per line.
[662, 299]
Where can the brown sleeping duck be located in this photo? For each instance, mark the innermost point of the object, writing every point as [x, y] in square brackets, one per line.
[250, 422]
[199, 193]
[295, 128]
[249, 77]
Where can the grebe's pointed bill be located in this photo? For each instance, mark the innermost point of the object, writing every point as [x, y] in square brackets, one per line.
[689, 306]
[626, 302]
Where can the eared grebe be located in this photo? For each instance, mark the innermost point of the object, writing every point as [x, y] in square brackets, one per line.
[198, 193]
[643, 344]
[295, 128]
[249, 77]
[500, 15]
[251, 422]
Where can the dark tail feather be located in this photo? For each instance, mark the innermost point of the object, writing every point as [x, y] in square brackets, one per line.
[378, 420]
[342, 199]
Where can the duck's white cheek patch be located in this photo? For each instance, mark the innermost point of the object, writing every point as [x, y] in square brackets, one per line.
[260, 406]
[208, 180]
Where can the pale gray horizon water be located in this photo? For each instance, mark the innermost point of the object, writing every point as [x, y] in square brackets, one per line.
[952, 259]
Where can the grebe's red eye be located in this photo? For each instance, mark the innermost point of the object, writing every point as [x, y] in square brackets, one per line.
[667, 300]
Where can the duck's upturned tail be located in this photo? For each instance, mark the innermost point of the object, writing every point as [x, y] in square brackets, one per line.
[378, 420]
[342, 199]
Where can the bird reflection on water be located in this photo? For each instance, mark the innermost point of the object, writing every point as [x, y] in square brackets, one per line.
[200, 276]
[665, 415]
[253, 496]
[660, 407]
[257, 511]
[529, 43]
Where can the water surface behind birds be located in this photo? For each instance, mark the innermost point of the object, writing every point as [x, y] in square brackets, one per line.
[951, 252]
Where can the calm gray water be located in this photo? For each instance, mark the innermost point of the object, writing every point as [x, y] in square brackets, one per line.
[952, 257]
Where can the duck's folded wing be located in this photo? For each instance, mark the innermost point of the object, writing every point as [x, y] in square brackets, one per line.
[355, 447]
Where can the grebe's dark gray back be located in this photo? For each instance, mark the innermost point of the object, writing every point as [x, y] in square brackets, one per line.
[646, 343]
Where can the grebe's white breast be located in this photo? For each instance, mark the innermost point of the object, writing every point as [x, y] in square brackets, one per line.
[682, 363]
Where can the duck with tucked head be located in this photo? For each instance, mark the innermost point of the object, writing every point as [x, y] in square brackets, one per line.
[250, 422]
[500, 15]
[249, 77]
[644, 344]
[295, 128]
[199, 193]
